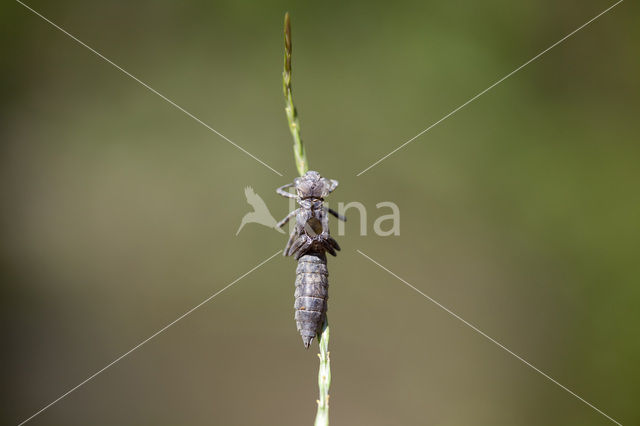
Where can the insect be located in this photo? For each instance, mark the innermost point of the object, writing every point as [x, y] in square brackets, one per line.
[308, 242]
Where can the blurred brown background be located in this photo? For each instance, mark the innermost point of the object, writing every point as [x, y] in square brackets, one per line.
[520, 212]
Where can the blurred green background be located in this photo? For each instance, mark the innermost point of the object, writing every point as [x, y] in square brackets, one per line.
[520, 212]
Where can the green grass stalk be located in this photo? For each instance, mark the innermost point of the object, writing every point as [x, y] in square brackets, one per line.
[300, 156]
[324, 377]
[292, 114]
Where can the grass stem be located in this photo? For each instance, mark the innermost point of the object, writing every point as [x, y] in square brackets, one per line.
[292, 114]
[324, 377]
[300, 156]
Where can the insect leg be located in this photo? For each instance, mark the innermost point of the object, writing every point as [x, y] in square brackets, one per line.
[284, 221]
[336, 214]
[292, 239]
[328, 242]
[324, 218]
[284, 193]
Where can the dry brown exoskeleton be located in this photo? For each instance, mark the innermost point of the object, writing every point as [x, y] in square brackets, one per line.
[308, 242]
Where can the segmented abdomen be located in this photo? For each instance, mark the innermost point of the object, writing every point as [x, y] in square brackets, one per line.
[312, 292]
